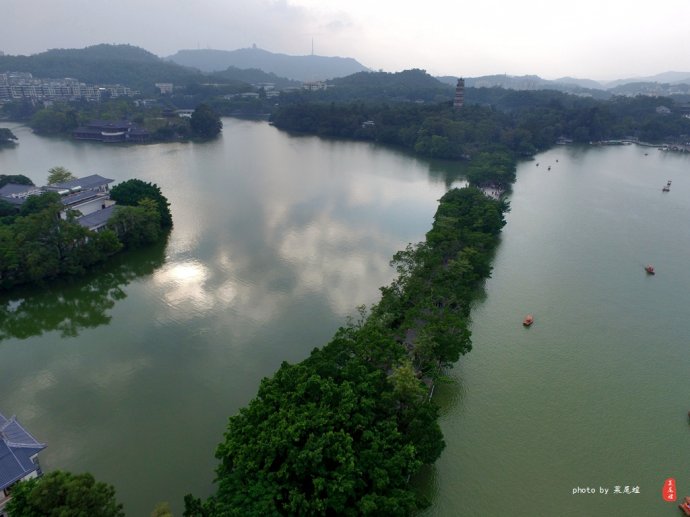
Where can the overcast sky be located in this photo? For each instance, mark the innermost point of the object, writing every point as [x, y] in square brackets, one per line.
[598, 39]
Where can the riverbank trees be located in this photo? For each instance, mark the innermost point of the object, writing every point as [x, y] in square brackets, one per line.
[43, 241]
[133, 192]
[343, 431]
[205, 123]
[61, 493]
[162, 123]
[494, 120]
[7, 136]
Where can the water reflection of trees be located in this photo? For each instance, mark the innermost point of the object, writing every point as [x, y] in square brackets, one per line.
[70, 306]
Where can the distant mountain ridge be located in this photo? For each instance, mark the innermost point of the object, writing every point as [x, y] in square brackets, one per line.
[663, 78]
[253, 76]
[297, 68]
[664, 84]
[102, 64]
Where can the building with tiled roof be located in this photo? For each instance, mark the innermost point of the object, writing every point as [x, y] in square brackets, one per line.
[111, 131]
[18, 457]
[87, 196]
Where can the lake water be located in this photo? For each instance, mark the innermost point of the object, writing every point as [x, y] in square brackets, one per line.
[132, 372]
[596, 393]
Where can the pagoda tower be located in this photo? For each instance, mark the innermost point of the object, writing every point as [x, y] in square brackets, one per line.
[459, 100]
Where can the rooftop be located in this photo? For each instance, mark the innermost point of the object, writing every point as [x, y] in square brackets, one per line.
[97, 219]
[17, 447]
[79, 197]
[87, 182]
[11, 189]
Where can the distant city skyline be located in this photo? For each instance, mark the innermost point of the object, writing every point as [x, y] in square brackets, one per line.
[591, 39]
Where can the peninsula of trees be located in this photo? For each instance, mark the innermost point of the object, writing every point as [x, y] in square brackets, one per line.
[342, 432]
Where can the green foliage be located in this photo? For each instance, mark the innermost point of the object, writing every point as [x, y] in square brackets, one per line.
[7, 136]
[59, 494]
[41, 202]
[253, 76]
[59, 174]
[18, 179]
[495, 127]
[314, 445]
[205, 123]
[104, 64]
[6, 209]
[162, 510]
[69, 307]
[131, 192]
[137, 226]
[60, 118]
[38, 243]
[342, 432]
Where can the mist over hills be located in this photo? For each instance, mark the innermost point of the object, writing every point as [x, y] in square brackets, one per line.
[664, 84]
[140, 69]
[298, 68]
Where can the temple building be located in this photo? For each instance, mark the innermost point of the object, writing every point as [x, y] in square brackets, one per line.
[18, 457]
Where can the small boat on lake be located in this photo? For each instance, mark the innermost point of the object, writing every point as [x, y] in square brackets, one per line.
[529, 319]
[666, 189]
[649, 269]
[685, 505]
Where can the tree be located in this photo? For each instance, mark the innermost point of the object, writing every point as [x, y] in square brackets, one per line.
[131, 192]
[59, 494]
[18, 179]
[6, 136]
[162, 510]
[59, 174]
[314, 445]
[205, 123]
[137, 226]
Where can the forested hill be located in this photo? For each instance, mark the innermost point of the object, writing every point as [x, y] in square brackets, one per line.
[103, 64]
[407, 86]
[298, 68]
[252, 76]
[411, 85]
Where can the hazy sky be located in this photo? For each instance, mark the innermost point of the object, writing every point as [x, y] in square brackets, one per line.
[599, 39]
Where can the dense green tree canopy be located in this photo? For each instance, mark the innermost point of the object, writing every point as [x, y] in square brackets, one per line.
[137, 226]
[62, 494]
[205, 123]
[132, 192]
[342, 432]
[6, 135]
[41, 242]
[18, 179]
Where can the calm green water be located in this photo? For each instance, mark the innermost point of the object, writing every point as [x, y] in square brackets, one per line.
[596, 393]
[132, 373]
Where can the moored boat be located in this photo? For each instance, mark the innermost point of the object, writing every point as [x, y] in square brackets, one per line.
[685, 505]
[529, 319]
[649, 269]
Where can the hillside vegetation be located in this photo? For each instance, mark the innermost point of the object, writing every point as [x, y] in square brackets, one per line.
[103, 64]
